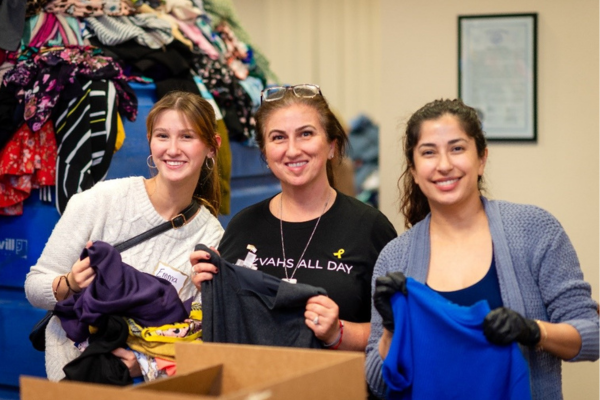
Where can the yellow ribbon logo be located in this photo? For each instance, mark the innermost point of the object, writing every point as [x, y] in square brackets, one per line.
[339, 253]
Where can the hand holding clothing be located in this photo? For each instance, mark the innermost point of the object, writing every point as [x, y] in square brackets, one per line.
[325, 312]
[385, 287]
[82, 273]
[130, 360]
[202, 268]
[503, 326]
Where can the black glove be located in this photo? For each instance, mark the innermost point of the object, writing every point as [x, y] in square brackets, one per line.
[385, 287]
[503, 326]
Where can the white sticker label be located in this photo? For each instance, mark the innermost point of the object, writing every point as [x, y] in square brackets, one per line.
[172, 275]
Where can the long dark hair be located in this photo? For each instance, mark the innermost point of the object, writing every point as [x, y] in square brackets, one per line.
[413, 203]
[201, 115]
[330, 123]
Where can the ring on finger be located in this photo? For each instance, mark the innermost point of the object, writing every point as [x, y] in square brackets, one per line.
[316, 320]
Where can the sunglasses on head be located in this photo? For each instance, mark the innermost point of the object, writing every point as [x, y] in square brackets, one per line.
[305, 90]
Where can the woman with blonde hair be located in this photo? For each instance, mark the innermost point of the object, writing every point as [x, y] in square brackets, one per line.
[183, 149]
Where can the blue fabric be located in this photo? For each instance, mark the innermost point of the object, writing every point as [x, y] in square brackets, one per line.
[487, 288]
[439, 351]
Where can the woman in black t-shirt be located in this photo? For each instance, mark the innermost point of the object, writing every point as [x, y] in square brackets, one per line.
[308, 233]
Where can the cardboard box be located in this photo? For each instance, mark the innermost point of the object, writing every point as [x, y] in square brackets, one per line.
[229, 371]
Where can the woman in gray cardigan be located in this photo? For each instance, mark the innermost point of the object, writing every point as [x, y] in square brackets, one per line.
[460, 240]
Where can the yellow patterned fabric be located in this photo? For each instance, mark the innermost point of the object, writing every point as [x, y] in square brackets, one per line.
[152, 349]
[187, 330]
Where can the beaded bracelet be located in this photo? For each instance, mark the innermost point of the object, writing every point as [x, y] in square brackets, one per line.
[338, 341]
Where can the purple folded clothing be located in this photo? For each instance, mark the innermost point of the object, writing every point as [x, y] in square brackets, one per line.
[118, 289]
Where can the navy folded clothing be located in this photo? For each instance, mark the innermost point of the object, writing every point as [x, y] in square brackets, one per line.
[241, 305]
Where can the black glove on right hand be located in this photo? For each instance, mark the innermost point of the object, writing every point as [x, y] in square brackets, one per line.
[503, 326]
[385, 287]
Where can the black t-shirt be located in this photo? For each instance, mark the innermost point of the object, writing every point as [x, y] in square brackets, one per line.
[340, 258]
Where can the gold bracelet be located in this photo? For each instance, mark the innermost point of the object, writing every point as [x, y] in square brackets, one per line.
[540, 345]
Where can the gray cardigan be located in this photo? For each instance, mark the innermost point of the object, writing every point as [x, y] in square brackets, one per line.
[539, 277]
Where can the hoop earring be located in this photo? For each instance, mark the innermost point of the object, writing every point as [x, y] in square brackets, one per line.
[212, 165]
[148, 162]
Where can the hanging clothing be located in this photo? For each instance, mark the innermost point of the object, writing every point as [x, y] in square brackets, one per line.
[11, 115]
[193, 32]
[86, 131]
[439, 351]
[254, 87]
[50, 30]
[28, 161]
[241, 305]
[40, 81]
[235, 52]
[76, 8]
[183, 10]
[169, 63]
[12, 22]
[146, 29]
[234, 102]
[34, 7]
[177, 34]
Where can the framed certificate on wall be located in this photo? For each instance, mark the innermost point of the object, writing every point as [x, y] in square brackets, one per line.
[497, 73]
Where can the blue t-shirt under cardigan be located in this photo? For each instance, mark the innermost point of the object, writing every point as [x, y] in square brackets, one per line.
[488, 288]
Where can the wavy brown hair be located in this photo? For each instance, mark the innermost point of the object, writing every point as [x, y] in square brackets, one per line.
[201, 116]
[413, 203]
[330, 123]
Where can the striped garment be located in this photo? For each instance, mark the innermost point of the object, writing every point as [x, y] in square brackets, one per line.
[86, 130]
[146, 29]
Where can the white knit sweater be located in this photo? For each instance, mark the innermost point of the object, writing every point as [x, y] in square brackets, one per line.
[112, 211]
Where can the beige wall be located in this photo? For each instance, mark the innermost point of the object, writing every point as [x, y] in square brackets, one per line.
[333, 43]
[389, 57]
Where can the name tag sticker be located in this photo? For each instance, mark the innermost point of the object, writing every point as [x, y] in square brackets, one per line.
[172, 275]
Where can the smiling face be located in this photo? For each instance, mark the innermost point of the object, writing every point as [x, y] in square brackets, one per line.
[296, 146]
[177, 149]
[446, 164]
